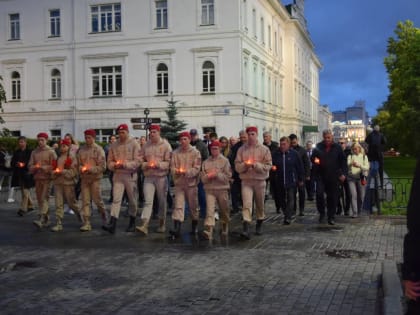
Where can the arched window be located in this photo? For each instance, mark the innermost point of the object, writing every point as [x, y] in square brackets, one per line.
[208, 77]
[16, 86]
[55, 84]
[162, 79]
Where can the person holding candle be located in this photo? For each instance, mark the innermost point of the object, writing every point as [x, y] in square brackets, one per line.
[64, 176]
[215, 175]
[253, 163]
[21, 176]
[40, 165]
[92, 165]
[330, 168]
[123, 161]
[155, 157]
[185, 167]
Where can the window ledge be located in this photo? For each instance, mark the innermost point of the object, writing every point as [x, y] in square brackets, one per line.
[104, 32]
[105, 96]
[14, 101]
[54, 99]
[208, 93]
[158, 95]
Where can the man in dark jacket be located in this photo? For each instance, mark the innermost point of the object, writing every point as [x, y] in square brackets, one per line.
[21, 176]
[294, 143]
[235, 187]
[376, 142]
[289, 174]
[330, 169]
[411, 263]
[272, 146]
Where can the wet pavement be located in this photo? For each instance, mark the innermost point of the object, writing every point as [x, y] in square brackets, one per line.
[304, 268]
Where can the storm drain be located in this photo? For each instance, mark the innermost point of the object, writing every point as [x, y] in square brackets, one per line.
[18, 265]
[347, 253]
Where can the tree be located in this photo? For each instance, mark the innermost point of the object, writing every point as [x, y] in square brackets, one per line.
[2, 99]
[401, 116]
[170, 128]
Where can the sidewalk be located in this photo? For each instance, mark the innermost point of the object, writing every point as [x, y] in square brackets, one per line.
[304, 268]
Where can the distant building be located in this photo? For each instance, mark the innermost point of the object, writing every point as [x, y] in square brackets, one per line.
[355, 112]
[70, 65]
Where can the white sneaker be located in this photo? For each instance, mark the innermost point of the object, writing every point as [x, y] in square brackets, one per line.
[216, 216]
[10, 200]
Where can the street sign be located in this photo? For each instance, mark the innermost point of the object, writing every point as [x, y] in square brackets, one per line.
[140, 126]
[143, 120]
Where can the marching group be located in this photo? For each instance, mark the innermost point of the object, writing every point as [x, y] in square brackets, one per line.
[216, 178]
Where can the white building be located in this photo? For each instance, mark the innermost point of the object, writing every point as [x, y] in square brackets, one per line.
[69, 65]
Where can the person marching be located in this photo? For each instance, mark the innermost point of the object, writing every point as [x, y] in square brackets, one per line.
[40, 165]
[21, 177]
[185, 167]
[155, 157]
[123, 161]
[215, 175]
[92, 165]
[253, 163]
[64, 176]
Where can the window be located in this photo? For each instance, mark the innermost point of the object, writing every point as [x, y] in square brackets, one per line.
[269, 36]
[55, 134]
[106, 81]
[162, 79]
[262, 31]
[207, 12]
[15, 133]
[161, 14]
[15, 85]
[55, 84]
[14, 26]
[254, 23]
[106, 18]
[55, 27]
[208, 77]
[103, 135]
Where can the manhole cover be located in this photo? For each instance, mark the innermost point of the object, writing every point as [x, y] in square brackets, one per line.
[347, 253]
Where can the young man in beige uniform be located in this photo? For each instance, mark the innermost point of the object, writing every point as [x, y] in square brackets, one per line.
[215, 176]
[155, 157]
[65, 176]
[123, 161]
[92, 166]
[185, 168]
[253, 163]
[40, 165]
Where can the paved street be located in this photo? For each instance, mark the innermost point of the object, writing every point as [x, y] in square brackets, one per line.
[304, 268]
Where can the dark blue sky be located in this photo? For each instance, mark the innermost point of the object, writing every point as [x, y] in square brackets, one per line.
[350, 38]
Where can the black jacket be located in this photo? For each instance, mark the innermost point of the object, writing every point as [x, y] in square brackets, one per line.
[411, 253]
[289, 168]
[332, 164]
[21, 173]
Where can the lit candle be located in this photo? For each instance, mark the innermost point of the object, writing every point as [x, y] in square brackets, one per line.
[249, 162]
[274, 168]
[181, 170]
[84, 169]
[57, 170]
[152, 164]
[317, 161]
[118, 163]
[21, 164]
[37, 165]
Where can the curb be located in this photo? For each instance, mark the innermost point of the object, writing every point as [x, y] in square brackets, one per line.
[391, 285]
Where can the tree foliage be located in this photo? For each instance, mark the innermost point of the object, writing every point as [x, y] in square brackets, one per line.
[2, 98]
[170, 128]
[400, 115]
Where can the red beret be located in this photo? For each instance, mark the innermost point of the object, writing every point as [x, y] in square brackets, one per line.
[215, 143]
[66, 142]
[90, 132]
[154, 127]
[122, 127]
[42, 135]
[185, 134]
[252, 129]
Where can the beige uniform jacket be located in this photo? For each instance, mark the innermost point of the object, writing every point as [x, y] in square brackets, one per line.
[188, 160]
[221, 166]
[157, 153]
[259, 155]
[92, 158]
[43, 158]
[67, 165]
[128, 153]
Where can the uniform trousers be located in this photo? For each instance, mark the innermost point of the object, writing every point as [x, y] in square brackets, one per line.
[67, 192]
[185, 193]
[42, 189]
[91, 191]
[220, 196]
[152, 185]
[253, 189]
[121, 182]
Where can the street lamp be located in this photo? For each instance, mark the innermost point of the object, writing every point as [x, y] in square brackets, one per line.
[146, 113]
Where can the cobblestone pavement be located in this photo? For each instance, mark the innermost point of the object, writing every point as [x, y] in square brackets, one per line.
[304, 268]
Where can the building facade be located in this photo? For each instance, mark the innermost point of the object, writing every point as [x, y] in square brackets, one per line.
[69, 65]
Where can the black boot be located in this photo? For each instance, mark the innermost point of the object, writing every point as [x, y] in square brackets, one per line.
[258, 227]
[194, 224]
[131, 225]
[176, 231]
[110, 227]
[245, 232]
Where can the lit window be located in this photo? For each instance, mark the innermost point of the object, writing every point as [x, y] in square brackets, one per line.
[106, 81]
[14, 26]
[106, 18]
[16, 85]
[208, 77]
[162, 79]
[55, 26]
[55, 84]
[162, 14]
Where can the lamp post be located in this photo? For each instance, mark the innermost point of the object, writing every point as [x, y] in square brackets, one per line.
[146, 113]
